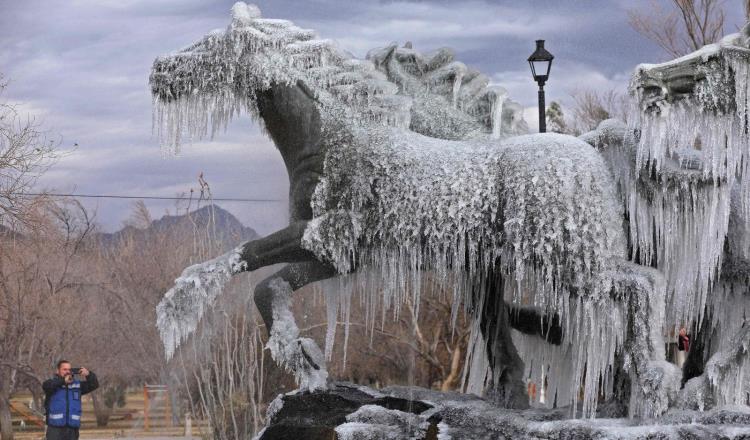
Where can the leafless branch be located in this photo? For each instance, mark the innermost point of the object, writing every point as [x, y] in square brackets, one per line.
[688, 26]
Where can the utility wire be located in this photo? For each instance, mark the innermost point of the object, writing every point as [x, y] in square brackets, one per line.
[112, 196]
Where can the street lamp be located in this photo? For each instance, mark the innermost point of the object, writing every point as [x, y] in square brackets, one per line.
[541, 63]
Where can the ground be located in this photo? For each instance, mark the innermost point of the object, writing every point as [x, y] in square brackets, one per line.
[125, 422]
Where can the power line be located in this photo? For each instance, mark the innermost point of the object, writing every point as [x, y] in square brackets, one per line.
[113, 196]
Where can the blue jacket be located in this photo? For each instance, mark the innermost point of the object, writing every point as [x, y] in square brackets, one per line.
[63, 402]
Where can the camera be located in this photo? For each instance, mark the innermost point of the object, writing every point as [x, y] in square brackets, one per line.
[76, 370]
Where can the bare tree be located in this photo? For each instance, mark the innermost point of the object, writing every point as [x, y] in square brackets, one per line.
[556, 122]
[223, 367]
[686, 27]
[590, 107]
[747, 10]
[25, 153]
[38, 320]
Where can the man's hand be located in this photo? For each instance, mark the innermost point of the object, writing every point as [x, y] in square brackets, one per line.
[68, 379]
[84, 372]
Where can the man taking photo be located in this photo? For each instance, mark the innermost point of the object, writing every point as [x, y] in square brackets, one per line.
[62, 400]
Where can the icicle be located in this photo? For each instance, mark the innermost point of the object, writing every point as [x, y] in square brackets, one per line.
[497, 113]
[332, 313]
[456, 87]
[477, 375]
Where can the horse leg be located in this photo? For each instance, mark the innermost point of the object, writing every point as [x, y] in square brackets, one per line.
[508, 388]
[654, 382]
[273, 297]
[283, 246]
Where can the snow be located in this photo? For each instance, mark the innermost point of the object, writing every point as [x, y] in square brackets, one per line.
[366, 431]
[409, 425]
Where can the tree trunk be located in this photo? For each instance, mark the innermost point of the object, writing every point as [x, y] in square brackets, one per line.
[101, 411]
[38, 396]
[6, 426]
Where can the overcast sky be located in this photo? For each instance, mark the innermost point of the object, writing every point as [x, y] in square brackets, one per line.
[81, 68]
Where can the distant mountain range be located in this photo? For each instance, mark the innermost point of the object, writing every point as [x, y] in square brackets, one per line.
[209, 221]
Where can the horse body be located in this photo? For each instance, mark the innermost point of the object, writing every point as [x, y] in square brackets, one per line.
[402, 163]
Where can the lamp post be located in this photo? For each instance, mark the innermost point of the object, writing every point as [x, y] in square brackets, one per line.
[541, 63]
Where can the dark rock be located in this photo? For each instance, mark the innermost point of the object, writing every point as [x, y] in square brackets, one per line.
[315, 415]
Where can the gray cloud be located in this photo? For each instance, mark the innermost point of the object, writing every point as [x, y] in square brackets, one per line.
[81, 67]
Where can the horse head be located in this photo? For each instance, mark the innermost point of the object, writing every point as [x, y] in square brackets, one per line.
[682, 167]
[256, 64]
[199, 89]
[706, 90]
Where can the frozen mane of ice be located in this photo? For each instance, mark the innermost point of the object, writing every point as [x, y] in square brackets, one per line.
[201, 88]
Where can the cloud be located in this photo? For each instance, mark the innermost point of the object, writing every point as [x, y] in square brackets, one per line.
[565, 79]
[82, 67]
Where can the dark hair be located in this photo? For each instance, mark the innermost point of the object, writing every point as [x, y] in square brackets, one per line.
[60, 362]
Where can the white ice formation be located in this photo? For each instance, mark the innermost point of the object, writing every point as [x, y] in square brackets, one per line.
[200, 88]
[682, 170]
[182, 307]
[300, 356]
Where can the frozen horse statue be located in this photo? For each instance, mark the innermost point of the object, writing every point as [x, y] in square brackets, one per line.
[404, 163]
[684, 174]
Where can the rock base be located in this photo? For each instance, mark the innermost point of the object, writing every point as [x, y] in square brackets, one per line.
[351, 412]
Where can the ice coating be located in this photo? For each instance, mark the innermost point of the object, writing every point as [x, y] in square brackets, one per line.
[682, 170]
[300, 356]
[178, 313]
[199, 89]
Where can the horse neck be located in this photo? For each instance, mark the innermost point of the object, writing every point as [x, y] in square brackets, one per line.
[292, 120]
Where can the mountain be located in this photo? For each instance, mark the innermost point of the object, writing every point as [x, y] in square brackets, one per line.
[210, 222]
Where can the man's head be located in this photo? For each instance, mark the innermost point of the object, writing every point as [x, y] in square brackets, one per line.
[63, 368]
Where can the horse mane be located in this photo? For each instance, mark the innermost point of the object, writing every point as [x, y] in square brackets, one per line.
[202, 87]
[450, 100]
